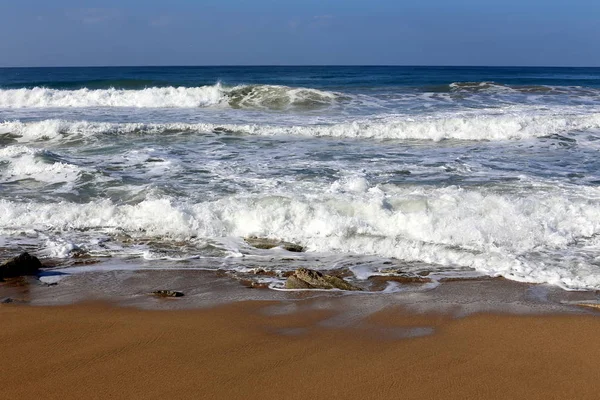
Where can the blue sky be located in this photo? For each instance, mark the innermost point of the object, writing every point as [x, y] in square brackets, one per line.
[269, 32]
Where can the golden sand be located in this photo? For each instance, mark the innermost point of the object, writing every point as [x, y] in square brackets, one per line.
[239, 351]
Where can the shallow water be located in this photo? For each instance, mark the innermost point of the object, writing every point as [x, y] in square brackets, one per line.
[439, 171]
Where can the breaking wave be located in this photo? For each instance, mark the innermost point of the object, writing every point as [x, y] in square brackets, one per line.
[465, 126]
[499, 88]
[245, 96]
[21, 162]
[534, 237]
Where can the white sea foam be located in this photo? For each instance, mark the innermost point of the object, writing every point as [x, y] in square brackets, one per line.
[279, 97]
[479, 125]
[21, 162]
[540, 236]
[489, 87]
[60, 248]
[255, 96]
[151, 97]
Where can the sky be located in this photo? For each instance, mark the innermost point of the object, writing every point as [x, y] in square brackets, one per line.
[299, 32]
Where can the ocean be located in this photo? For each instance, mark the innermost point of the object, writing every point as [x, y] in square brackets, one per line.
[433, 172]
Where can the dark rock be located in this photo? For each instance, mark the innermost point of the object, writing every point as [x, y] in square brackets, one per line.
[266, 244]
[323, 281]
[167, 293]
[23, 264]
[154, 159]
[305, 278]
[392, 270]
[7, 300]
[292, 282]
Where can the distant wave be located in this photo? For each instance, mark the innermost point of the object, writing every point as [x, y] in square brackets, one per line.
[479, 87]
[499, 88]
[244, 96]
[278, 97]
[153, 94]
[465, 126]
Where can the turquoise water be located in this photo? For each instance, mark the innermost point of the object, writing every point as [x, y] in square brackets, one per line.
[449, 171]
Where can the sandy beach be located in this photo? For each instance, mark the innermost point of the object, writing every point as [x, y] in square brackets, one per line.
[282, 350]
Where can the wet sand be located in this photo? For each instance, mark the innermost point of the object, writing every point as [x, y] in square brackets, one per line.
[292, 350]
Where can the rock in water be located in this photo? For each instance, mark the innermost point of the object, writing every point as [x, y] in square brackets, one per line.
[292, 282]
[167, 293]
[322, 281]
[266, 244]
[304, 278]
[23, 264]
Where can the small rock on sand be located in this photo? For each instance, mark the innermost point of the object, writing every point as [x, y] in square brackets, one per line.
[304, 278]
[167, 293]
[293, 282]
[23, 264]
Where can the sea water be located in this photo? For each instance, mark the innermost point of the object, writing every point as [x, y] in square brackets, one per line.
[434, 170]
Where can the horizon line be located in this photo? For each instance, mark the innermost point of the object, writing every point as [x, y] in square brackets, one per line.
[299, 65]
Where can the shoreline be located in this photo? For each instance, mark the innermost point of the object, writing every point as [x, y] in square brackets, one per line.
[311, 348]
[204, 289]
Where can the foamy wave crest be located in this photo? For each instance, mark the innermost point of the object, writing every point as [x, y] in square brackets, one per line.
[485, 87]
[534, 237]
[474, 126]
[21, 162]
[279, 97]
[261, 96]
[499, 88]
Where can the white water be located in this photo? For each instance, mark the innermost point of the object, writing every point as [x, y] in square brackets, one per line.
[459, 182]
[475, 125]
[453, 227]
[27, 163]
[260, 96]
